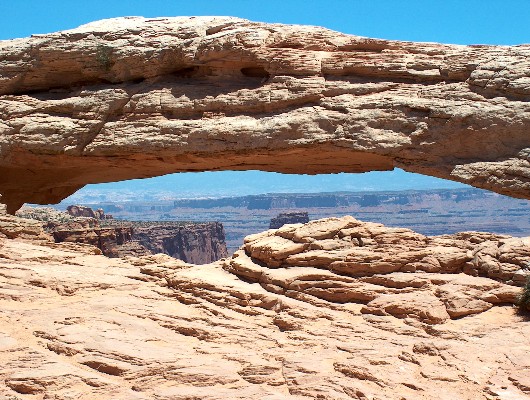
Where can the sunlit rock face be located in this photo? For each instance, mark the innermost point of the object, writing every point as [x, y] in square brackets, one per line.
[196, 243]
[333, 309]
[134, 97]
[392, 271]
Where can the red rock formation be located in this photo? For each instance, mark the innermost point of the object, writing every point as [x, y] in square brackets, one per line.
[87, 212]
[196, 243]
[108, 240]
[134, 97]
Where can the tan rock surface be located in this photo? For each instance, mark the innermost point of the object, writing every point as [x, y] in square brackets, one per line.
[75, 325]
[135, 97]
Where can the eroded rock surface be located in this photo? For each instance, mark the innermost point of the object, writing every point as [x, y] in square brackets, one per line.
[392, 271]
[197, 243]
[288, 218]
[75, 324]
[135, 97]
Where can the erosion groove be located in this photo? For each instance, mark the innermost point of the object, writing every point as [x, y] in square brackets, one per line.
[134, 98]
[334, 308]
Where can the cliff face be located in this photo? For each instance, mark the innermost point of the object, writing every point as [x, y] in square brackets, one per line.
[198, 243]
[212, 93]
[335, 200]
[108, 240]
[289, 218]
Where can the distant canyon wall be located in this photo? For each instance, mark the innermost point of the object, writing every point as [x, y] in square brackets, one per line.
[196, 243]
[135, 98]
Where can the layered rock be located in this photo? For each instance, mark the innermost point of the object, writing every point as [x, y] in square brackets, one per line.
[79, 325]
[135, 97]
[198, 243]
[288, 218]
[392, 271]
[109, 240]
[83, 211]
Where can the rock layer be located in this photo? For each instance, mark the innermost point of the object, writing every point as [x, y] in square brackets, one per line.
[75, 324]
[392, 271]
[135, 97]
[197, 243]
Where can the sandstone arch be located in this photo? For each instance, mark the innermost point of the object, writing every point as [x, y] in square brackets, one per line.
[134, 97]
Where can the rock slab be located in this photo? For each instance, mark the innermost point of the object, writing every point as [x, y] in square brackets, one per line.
[75, 324]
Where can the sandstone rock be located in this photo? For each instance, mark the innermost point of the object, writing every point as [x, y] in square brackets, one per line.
[12, 227]
[289, 218]
[109, 240]
[83, 211]
[136, 97]
[79, 325]
[198, 243]
[392, 271]
[423, 306]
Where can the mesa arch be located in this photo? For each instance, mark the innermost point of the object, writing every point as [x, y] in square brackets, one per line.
[134, 97]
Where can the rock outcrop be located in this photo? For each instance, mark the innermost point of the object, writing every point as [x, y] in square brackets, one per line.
[75, 324]
[288, 218]
[135, 97]
[87, 212]
[110, 240]
[197, 243]
[392, 271]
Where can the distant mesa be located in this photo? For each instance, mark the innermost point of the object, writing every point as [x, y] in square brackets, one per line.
[289, 218]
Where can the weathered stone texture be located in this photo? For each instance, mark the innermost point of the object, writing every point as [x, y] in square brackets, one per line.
[392, 271]
[75, 324]
[134, 97]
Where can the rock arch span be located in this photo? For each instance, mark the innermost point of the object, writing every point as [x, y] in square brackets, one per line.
[134, 97]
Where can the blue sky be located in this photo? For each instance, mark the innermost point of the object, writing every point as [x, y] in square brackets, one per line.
[448, 21]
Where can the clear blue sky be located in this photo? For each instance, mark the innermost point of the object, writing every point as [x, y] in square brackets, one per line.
[448, 21]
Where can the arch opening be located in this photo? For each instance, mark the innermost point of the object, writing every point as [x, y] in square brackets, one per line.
[245, 202]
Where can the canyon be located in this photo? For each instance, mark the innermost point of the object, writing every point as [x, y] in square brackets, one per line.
[334, 308]
[197, 243]
[430, 212]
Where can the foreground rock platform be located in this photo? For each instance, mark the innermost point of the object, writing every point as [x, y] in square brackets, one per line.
[135, 97]
[260, 325]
